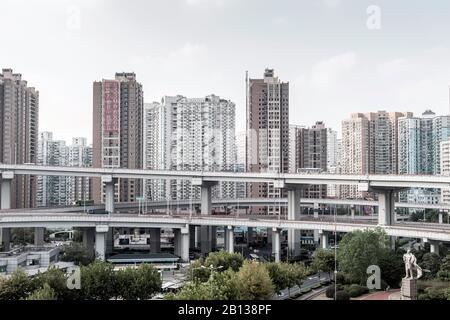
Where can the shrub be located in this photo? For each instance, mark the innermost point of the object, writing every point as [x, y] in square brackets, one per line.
[355, 290]
[329, 292]
[342, 295]
[306, 290]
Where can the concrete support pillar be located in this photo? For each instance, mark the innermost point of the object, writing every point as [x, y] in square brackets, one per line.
[88, 240]
[229, 231]
[276, 244]
[109, 182]
[434, 247]
[6, 238]
[5, 197]
[352, 211]
[441, 216]
[155, 240]
[197, 237]
[386, 201]
[316, 210]
[324, 240]
[294, 214]
[39, 237]
[177, 242]
[100, 241]
[184, 244]
[206, 234]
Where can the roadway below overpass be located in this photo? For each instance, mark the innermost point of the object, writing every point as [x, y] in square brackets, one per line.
[240, 203]
[431, 231]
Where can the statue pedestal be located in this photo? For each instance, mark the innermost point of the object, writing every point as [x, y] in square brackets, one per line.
[409, 289]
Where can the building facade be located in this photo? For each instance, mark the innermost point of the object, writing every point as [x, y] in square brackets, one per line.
[369, 146]
[193, 134]
[445, 167]
[419, 145]
[311, 155]
[19, 125]
[62, 190]
[267, 133]
[118, 108]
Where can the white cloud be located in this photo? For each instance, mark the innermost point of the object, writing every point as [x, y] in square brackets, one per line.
[326, 73]
[219, 3]
[331, 3]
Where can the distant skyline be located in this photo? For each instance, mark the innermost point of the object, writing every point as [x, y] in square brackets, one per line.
[334, 63]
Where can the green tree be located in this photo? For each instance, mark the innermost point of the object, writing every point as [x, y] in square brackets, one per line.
[198, 272]
[77, 253]
[392, 267]
[225, 260]
[224, 285]
[16, 287]
[431, 262]
[44, 293]
[444, 271]
[278, 275]
[98, 281]
[56, 280]
[360, 249]
[194, 291]
[254, 282]
[140, 283]
[323, 261]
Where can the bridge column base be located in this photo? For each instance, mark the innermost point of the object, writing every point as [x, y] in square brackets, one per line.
[323, 239]
[386, 204]
[192, 231]
[39, 237]
[276, 244]
[155, 240]
[294, 195]
[101, 232]
[109, 182]
[5, 238]
[89, 240]
[205, 240]
[184, 244]
[229, 231]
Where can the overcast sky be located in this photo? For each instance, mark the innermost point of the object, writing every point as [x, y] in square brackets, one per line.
[337, 55]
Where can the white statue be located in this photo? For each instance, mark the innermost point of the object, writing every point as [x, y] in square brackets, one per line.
[410, 261]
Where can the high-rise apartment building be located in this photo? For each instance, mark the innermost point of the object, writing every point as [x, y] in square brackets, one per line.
[419, 141]
[369, 145]
[445, 167]
[311, 155]
[293, 129]
[51, 190]
[62, 190]
[118, 107]
[19, 121]
[79, 154]
[267, 133]
[194, 134]
[334, 151]
[240, 166]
